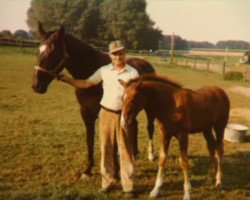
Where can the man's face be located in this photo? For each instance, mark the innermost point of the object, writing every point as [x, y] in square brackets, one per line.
[118, 58]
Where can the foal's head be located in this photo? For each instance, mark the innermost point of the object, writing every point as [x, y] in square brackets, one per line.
[139, 90]
[51, 59]
[132, 101]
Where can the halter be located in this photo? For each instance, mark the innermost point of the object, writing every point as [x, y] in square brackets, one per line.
[59, 67]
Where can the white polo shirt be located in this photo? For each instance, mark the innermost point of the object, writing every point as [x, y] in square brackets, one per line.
[112, 89]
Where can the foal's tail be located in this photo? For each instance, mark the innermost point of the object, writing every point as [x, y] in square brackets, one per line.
[222, 120]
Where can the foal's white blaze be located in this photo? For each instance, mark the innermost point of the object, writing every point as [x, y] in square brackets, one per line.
[124, 97]
[42, 48]
[122, 121]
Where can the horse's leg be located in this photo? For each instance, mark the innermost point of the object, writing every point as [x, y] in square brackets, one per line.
[219, 154]
[211, 148]
[89, 121]
[165, 141]
[150, 128]
[183, 143]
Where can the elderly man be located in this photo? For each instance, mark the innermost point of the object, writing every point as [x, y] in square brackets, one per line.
[111, 133]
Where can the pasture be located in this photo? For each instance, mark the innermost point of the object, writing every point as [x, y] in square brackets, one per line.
[43, 148]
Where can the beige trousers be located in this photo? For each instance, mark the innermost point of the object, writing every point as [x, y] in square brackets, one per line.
[111, 137]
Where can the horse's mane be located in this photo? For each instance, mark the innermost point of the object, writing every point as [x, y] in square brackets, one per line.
[75, 42]
[78, 47]
[155, 78]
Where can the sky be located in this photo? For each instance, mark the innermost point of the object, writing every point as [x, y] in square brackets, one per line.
[198, 20]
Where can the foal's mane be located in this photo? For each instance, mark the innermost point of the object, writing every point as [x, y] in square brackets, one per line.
[155, 78]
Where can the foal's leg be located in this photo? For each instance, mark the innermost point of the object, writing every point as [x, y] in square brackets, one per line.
[219, 154]
[211, 148]
[150, 128]
[183, 143]
[165, 141]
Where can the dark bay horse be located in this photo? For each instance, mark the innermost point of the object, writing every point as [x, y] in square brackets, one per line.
[60, 50]
[179, 112]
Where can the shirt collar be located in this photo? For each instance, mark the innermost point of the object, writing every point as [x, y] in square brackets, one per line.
[122, 70]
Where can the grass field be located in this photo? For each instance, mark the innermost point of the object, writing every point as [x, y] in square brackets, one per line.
[43, 149]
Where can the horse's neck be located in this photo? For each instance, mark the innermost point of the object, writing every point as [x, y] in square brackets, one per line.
[83, 60]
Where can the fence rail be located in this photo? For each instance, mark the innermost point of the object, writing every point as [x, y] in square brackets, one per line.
[217, 63]
[222, 67]
[18, 44]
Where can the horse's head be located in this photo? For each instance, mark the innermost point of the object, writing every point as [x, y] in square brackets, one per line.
[132, 102]
[51, 59]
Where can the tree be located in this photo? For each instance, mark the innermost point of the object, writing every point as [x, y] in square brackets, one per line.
[98, 21]
[233, 44]
[204, 44]
[179, 43]
[128, 20]
[22, 34]
[6, 34]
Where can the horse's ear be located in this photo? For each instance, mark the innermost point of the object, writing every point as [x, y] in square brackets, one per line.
[41, 30]
[61, 31]
[123, 83]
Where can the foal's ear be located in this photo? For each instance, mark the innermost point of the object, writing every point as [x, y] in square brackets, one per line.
[41, 30]
[123, 83]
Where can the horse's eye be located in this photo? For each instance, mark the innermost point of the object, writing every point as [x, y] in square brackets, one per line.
[42, 48]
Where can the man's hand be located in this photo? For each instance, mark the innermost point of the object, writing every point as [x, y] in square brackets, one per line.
[78, 83]
[63, 78]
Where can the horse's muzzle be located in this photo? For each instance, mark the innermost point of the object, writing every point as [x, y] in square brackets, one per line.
[39, 90]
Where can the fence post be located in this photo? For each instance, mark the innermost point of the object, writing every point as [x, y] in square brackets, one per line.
[245, 75]
[195, 62]
[208, 65]
[172, 49]
[224, 69]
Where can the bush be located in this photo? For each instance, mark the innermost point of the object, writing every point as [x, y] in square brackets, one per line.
[234, 76]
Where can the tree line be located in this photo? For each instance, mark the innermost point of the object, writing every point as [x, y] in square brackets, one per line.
[163, 43]
[98, 21]
[182, 44]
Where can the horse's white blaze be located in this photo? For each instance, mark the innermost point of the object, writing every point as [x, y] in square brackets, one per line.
[42, 48]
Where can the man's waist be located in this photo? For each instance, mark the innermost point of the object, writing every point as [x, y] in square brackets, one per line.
[118, 111]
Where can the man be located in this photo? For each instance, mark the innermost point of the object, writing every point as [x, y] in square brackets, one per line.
[111, 133]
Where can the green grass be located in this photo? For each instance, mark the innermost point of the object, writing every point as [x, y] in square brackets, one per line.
[43, 148]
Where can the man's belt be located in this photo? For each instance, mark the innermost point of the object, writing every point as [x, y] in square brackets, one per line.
[111, 110]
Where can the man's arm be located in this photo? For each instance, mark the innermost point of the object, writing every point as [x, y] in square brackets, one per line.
[79, 83]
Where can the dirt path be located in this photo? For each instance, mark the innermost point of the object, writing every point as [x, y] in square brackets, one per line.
[241, 90]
